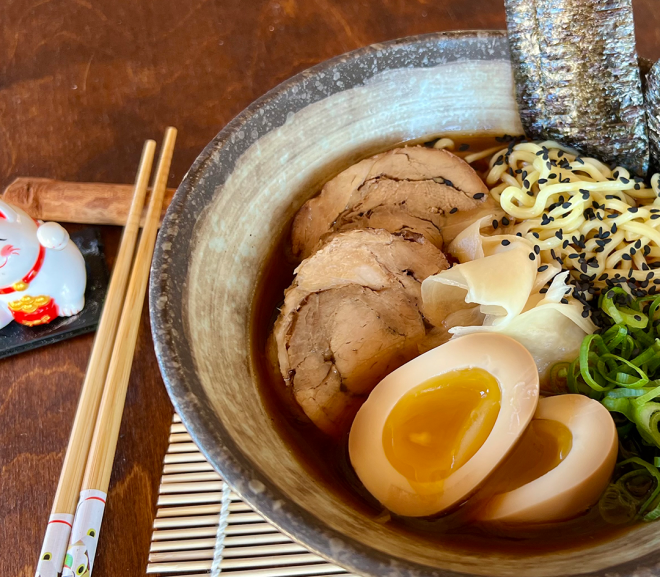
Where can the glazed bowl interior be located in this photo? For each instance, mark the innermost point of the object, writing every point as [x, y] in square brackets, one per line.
[234, 204]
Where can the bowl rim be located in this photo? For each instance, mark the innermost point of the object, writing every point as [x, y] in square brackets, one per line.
[208, 432]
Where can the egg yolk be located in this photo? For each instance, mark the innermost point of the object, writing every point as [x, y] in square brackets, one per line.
[543, 446]
[436, 427]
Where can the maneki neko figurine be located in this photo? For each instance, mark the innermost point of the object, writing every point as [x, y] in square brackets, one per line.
[42, 272]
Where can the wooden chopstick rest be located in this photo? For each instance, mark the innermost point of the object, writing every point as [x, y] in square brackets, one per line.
[84, 202]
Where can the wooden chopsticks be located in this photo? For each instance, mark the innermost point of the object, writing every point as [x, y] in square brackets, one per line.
[88, 461]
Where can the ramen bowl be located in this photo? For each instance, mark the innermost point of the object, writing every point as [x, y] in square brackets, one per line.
[233, 205]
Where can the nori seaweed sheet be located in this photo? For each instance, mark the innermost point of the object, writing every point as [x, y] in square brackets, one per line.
[653, 113]
[577, 76]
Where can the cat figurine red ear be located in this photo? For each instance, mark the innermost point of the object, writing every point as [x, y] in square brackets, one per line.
[42, 273]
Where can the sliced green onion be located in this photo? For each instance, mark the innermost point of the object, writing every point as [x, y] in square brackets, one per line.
[622, 314]
[619, 405]
[559, 377]
[653, 470]
[647, 418]
[628, 393]
[646, 397]
[586, 356]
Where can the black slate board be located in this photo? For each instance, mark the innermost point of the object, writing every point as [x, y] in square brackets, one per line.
[16, 338]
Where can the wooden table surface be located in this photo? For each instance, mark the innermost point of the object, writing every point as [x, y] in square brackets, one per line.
[82, 85]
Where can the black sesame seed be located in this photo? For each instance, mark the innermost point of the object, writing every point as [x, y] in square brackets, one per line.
[532, 256]
[603, 276]
[624, 180]
[542, 180]
[463, 147]
[543, 290]
[542, 268]
[564, 301]
[506, 242]
[626, 257]
[633, 209]
[655, 216]
[526, 183]
[637, 186]
[505, 221]
[535, 235]
[519, 234]
[495, 224]
[614, 228]
[573, 255]
[612, 215]
[565, 244]
[453, 210]
[585, 313]
[637, 318]
[479, 195]
[647, 250]
[566, 205]
[638, 244]
[559, 234]
[537, 249]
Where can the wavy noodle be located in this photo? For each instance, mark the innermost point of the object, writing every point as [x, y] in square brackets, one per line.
[596, 222]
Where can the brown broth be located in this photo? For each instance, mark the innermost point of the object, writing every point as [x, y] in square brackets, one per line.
[327, 458]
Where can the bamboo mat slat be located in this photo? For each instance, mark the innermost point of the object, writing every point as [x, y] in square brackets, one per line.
[185, 530]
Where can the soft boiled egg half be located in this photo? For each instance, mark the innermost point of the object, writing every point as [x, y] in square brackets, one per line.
[561, 466]
[433, 430]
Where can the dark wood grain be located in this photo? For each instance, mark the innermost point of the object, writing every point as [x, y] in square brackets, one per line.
[82, 84]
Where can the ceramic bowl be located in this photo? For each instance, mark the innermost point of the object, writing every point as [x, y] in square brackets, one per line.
[236, 200]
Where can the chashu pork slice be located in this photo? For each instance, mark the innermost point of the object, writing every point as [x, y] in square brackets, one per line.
[351, 316]
[406, 189]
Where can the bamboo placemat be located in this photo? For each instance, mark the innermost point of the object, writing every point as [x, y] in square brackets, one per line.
[203, 528]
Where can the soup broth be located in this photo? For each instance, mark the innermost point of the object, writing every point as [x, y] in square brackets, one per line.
[327, 458]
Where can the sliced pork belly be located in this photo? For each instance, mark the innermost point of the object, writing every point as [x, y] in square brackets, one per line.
[406, 189]
[351, 316]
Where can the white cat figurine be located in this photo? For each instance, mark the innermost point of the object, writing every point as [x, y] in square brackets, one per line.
[42, 273]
